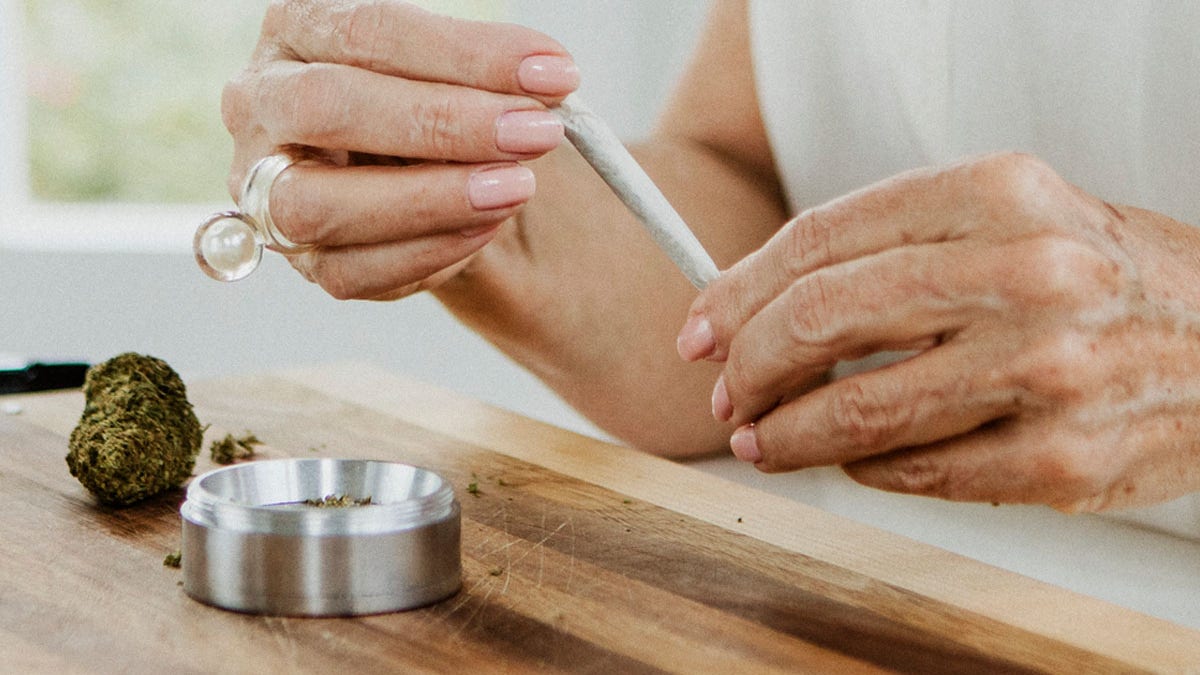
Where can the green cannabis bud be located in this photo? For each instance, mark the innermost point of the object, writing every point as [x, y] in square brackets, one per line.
[138, 435]
[231, 449]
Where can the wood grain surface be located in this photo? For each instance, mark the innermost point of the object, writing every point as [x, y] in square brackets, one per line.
[578, 556]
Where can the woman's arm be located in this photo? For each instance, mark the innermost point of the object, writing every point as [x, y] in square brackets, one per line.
[575, 290]
[431, 130]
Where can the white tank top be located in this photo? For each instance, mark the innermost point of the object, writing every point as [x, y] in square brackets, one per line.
[1106, 91]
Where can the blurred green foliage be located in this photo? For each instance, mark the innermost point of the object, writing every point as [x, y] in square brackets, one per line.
[124, 95]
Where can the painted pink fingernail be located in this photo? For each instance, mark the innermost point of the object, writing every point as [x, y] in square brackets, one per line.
[549, 75]
[500, 187]
[744, 444]
[528, 132]
[722, 409]
[696, 340]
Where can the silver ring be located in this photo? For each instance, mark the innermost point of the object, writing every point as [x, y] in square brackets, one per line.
[255, 199]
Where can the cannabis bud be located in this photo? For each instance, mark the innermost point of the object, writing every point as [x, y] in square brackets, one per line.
[138, 435]
[231, 449]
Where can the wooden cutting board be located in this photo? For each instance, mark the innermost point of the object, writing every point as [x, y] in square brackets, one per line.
[578, 556]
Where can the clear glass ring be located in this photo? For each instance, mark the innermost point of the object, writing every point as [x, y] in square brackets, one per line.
[229, 245]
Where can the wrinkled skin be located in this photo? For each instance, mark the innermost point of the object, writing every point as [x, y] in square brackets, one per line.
[1054, 339]
[404, 107]
[429, 132]
[1054, 335]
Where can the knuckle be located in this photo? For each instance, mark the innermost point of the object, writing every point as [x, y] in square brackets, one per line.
[1013, 183]
[361, 29]
[808, 240]
[923, 475]
[437, 126]
[1071, 471]
[866, 420]
[1015, 164]
[324, 270]
[235, 105]
[1108, 494]
[310, 104]
[1016, 171]
[1070, 271]
[1055, 369]
[811, 315]
[333, 279]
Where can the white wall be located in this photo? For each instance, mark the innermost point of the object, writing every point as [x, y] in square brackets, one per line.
[93, 280]
[629, 51]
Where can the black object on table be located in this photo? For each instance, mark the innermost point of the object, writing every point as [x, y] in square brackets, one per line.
[39, 376]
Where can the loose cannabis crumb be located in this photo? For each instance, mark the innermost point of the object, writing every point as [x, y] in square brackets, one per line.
[626, 501]
[138, 435]
[501, 483]
[495, 571]
[231, 449]
[173, 559]
[337, 501]
[473, 488]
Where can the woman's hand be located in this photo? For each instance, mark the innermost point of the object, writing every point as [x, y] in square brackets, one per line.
[1056, 341]
[420, 121]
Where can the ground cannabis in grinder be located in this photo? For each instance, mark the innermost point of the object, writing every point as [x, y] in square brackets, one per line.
[337, 502]
[138, 435]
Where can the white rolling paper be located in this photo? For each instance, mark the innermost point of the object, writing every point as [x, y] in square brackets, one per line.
[608, 156]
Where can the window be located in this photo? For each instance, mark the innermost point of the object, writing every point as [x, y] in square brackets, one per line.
[122, 95]
[110, 128]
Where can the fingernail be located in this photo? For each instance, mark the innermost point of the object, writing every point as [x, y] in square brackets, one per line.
[696, 340]
[528, 132]
[722, 409]
[744, 444]
[550, 75]
[499, 187]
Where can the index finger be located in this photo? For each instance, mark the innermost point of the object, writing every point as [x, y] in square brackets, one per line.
[401, 39]
[923, 206]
